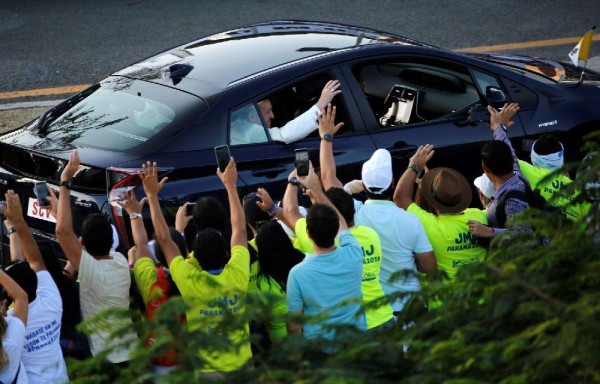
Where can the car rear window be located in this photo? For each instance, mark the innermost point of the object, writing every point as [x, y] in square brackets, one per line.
[122, 118]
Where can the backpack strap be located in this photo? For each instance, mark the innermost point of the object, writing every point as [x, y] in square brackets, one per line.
[501, 206]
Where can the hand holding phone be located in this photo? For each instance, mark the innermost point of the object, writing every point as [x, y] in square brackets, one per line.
[302, 165]
[223, 155]
[189, 209]
[41, 191]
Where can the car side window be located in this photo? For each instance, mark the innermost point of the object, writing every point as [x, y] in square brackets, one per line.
[245, 126]
[484, 80]
[290, 104]
[416, 91]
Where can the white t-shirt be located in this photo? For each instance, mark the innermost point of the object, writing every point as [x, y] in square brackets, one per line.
[12, 343]
[402, 235]
[42, 357]
[104, 284]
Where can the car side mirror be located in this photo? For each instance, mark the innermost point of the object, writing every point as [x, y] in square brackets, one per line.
[495, 97]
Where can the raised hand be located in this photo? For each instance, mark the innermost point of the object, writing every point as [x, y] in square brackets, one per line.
[13, 210]
[327, 121]
[422, 156]
[149, 176]
[330, 90]
[498, 118]
[130, 202]
[265, 200]
[72, 167]
[230, 175]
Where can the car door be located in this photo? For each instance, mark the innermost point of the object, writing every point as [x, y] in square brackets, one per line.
[432, 102]
[268, 163]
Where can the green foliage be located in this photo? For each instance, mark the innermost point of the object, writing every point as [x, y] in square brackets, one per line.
[528, 314]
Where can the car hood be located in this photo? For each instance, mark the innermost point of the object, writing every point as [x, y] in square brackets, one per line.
[557, 71]
[28, 140]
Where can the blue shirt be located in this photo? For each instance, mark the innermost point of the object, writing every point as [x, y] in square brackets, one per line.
[319, 284]
[402, 235]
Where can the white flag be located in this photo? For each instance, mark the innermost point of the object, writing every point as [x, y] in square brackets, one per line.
[581, 53]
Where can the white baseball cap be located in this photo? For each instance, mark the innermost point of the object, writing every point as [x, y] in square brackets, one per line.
[377, 172]
[485, 185]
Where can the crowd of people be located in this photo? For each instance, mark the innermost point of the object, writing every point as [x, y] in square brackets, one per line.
[343, 264]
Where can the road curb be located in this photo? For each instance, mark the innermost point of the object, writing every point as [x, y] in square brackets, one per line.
[29, 104]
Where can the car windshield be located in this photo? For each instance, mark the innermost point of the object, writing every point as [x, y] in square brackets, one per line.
[117, 118]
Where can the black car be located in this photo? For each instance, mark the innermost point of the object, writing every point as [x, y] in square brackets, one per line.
[175, 107]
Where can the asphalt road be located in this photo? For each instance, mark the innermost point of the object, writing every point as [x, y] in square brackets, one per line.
[47, 44]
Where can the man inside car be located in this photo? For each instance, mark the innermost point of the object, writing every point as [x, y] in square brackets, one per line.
[247, 128]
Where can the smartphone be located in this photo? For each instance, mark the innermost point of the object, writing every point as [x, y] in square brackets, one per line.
[222, 154]
[189, 209]
[302, 161]
[41, 191]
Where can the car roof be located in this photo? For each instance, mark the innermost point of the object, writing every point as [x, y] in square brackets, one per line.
[212, 63]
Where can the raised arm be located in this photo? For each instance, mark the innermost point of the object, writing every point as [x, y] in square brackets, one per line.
[291, 212]
[499, 121]
[266, 204]
[64, 221]
[134, 210]
[238, 220]
[16, 254]
[19, 296]
[152, 186]
[304, 124]
[403, 195]
[14, 213]
[312, 183]
[327, 129]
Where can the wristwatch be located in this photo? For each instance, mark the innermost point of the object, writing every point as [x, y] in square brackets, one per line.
[415, 168]
[135, 215]
[294, 181]
[12, 230]
[327, 137]
[66, 183]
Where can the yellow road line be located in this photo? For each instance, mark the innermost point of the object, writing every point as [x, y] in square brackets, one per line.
[487, 48]
[527, 44]
[43, 92]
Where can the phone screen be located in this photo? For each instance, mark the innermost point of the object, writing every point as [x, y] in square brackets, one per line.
[302, 162]
[41, 191]
[189, 209]
[222, 154]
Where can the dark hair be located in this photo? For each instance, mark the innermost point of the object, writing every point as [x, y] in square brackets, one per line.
[23, 275]
[343, 202]
[497, 157]
[547, 144]
[178, 239]
[385, 194]
[64, 284]
[97, 234]
[322, 225]
[276, 253]
[210, 213]
[210, 249]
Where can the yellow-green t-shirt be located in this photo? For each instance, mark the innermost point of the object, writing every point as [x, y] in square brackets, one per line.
[276, 326]
[450, 237]
[254, 268]
[144, 272]
[210, 298]
[371, 287]
[551, 190]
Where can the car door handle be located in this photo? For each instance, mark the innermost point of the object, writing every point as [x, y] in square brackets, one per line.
[269, 172]
[401, 149]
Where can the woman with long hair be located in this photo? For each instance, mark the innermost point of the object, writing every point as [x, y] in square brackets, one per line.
[12, 332]
[276, 256]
